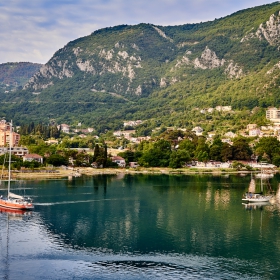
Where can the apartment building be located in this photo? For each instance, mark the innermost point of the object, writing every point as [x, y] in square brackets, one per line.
[5, 136]
[273, 114]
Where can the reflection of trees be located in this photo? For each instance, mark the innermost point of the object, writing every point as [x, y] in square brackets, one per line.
[100, 181]
[148, 213]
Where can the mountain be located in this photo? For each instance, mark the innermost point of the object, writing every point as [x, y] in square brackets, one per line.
[17, 74]
[165, 74]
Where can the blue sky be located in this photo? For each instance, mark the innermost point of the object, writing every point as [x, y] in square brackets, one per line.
[33, 30]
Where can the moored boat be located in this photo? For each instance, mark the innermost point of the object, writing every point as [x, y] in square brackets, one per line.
[256, 197]
[17, 202]
[14, 201]
[252, 196]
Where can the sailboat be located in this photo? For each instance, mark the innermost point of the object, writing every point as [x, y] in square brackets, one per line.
[253, 197]
[14, 201]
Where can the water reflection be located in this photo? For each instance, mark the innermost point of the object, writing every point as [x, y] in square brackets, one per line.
[154, 224]
[144, 213]
[256, 206]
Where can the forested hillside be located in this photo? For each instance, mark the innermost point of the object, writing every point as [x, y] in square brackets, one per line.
[164, 74]
[17, 74]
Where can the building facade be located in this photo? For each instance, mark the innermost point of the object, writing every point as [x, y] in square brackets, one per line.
[273, 114]
[5, 137]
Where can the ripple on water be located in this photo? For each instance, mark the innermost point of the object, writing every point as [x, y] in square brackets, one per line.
[86, 265]
[147, 269]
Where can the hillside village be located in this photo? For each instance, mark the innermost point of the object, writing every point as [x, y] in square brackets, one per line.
[128, 141]
[252, 130]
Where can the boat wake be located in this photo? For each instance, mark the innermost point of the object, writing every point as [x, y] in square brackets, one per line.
[71, 202]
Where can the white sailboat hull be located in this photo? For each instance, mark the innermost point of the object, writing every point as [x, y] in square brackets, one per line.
[257, 198]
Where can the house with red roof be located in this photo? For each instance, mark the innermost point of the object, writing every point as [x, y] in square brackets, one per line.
[119, 161]
[33, 157]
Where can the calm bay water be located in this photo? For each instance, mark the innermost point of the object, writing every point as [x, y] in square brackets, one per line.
[141, 227]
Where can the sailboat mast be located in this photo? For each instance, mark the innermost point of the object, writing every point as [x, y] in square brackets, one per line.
[261, 178]
[10, 158]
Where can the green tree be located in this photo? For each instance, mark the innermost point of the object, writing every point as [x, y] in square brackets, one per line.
[155, 154]
[241, 149]
[57, 160]
[226, 152]
[203, 156]
[268, 146]
[202, 149]
[276, 160]
[96, 152]
[189, 146]
[105, 155]
[39, 148]
[26, 140]
[178, 158]
[215, 151]
[31, 164]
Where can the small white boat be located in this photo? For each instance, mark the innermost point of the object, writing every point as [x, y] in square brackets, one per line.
[252, 197]
[256, 197]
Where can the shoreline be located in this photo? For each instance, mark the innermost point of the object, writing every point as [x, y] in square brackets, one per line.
[88, 171]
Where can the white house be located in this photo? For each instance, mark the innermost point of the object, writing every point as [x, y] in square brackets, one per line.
[254, 132]
[64, 128]
[198, 130]
[33, 157]
[119, 160]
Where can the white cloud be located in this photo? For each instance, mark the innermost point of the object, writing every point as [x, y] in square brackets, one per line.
[33, 30]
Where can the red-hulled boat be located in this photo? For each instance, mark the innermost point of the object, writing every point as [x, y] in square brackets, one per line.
[14, 212]
[17, 202]
[14, 201]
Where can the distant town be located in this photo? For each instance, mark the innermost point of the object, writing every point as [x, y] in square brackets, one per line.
[122, 148]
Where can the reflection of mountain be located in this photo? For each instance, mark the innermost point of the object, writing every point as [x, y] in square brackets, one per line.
[145, 213]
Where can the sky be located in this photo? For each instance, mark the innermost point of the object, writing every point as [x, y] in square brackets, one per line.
[33, 30]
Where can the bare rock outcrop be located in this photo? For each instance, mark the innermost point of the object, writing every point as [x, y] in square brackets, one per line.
[233, 70]
[54, 68]
[269, 31]
[208, 60]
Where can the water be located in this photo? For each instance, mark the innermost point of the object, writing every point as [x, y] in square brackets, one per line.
[141, 227]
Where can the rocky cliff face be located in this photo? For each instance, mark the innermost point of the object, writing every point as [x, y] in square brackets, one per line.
[124, 61]
[269, 31]
[99, 62]
[132, 60]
